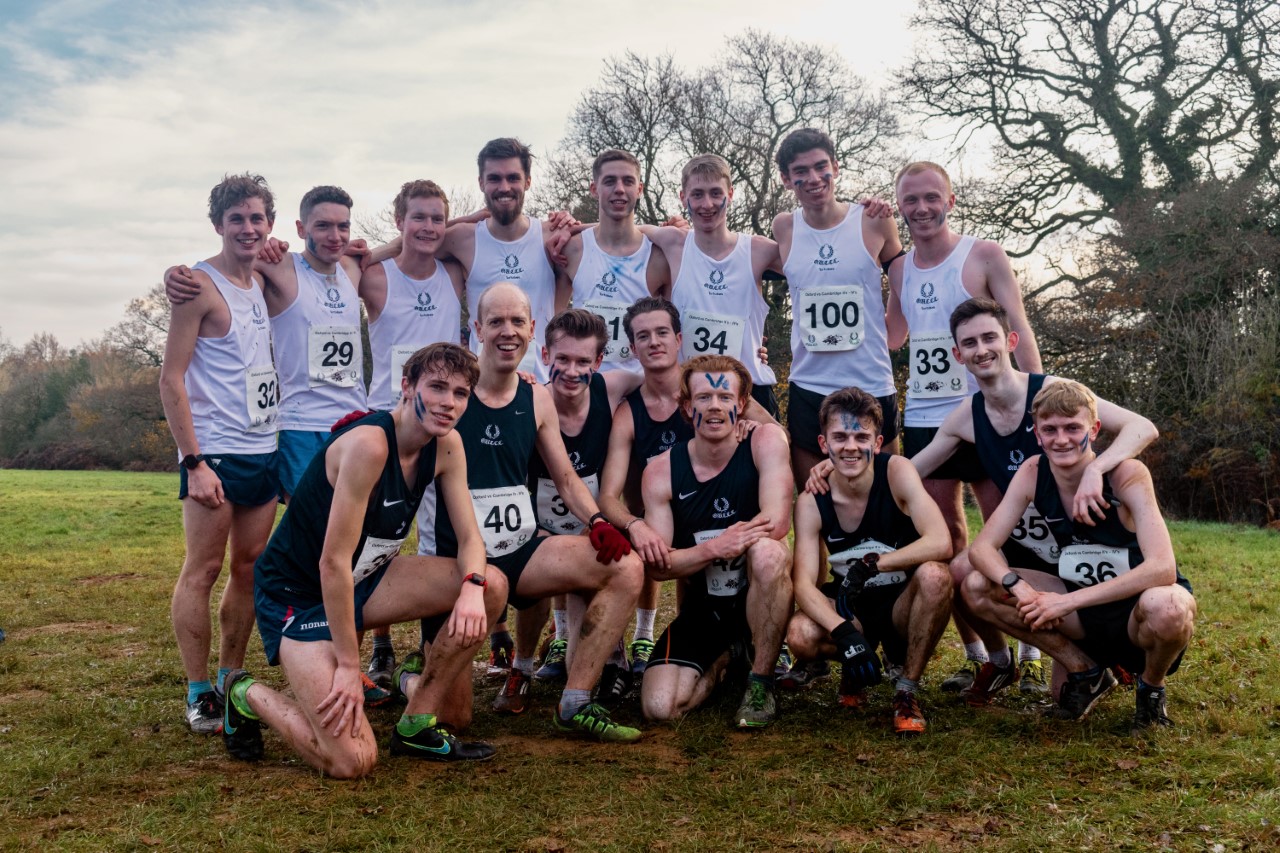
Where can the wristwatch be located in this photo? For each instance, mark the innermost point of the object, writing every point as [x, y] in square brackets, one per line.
[192, 460]
[477, 579]
[1010, 580]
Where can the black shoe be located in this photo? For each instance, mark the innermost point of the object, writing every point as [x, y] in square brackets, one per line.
[1081, 691]
[241, 734]
[381, 665]
[614, 685]
[433, 743]
[1151, 709]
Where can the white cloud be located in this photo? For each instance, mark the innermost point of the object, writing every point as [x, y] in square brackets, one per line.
[106, 179]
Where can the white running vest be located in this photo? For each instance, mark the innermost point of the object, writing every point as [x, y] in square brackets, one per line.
[231, 382]
[838, 335]
[608, 285]
[417, 313]
[319, 353]
[524, 263]
[936, 382]
[721, 309]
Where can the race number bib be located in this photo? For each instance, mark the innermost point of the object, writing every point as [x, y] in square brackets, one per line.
[399, 355]
[553, 515]
[934, 373]
[725, 578]
[1033, 534]
[831, 318]
[840, 563]
[262, 398]
[333, 356]
[1089, 565]
[711, 334]
[617, 348]
[505, 516]
[375, 554]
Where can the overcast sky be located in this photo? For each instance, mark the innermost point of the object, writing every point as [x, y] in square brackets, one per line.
[117, 117]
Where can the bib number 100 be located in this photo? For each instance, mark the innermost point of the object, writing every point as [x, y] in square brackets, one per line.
[832, 314]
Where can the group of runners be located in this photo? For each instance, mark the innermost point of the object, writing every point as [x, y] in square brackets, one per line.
[569, 460]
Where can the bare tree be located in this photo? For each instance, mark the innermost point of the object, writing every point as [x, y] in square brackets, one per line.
[141, 335]
[761, 88]
[1094, 102]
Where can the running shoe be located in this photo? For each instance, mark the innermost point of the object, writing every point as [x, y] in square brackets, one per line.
[204, 715]
[759, 706]
[1033, 681]
[241, 731]
[614, 685]
[990, 680]
[908, 719]
[381, 664]
[803, 673]
[1081, 691]
[850, 696]
[1151, 711]
[412, 664]
[593, 721]
[553, 668]
[500, 654]
[424, 738]
[962, 678]
[785, 662]
[639, 651]
[374, 695]
[513, 698]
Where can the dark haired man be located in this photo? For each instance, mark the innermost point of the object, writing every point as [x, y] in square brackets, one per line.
[612, 264]
[888, 544]
[333, 568]
[832, 255]
[218, 388]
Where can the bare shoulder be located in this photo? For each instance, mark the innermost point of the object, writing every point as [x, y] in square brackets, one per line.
[782, 225]
[767, 440]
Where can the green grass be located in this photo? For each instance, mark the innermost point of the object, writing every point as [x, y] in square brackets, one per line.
[95, 754]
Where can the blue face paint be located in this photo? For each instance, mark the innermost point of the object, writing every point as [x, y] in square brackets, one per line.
[850, 423]
[733, 415]
[724, 203]
[721, 381]
[311, 246]
[585, 378]
[697, 418]
[941, 219]
[419, 407]
[1084, 443]
[555, 374]
[798, 183]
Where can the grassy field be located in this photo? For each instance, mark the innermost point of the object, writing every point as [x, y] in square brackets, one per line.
[95, 754]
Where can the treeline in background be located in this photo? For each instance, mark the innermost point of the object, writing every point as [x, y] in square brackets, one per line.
[1129, 155]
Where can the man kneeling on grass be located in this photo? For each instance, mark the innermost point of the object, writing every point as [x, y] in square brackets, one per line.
[1117, 598]
[333, 568]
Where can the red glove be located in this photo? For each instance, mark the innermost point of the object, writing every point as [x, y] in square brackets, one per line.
[348, 418]
[608, 541]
